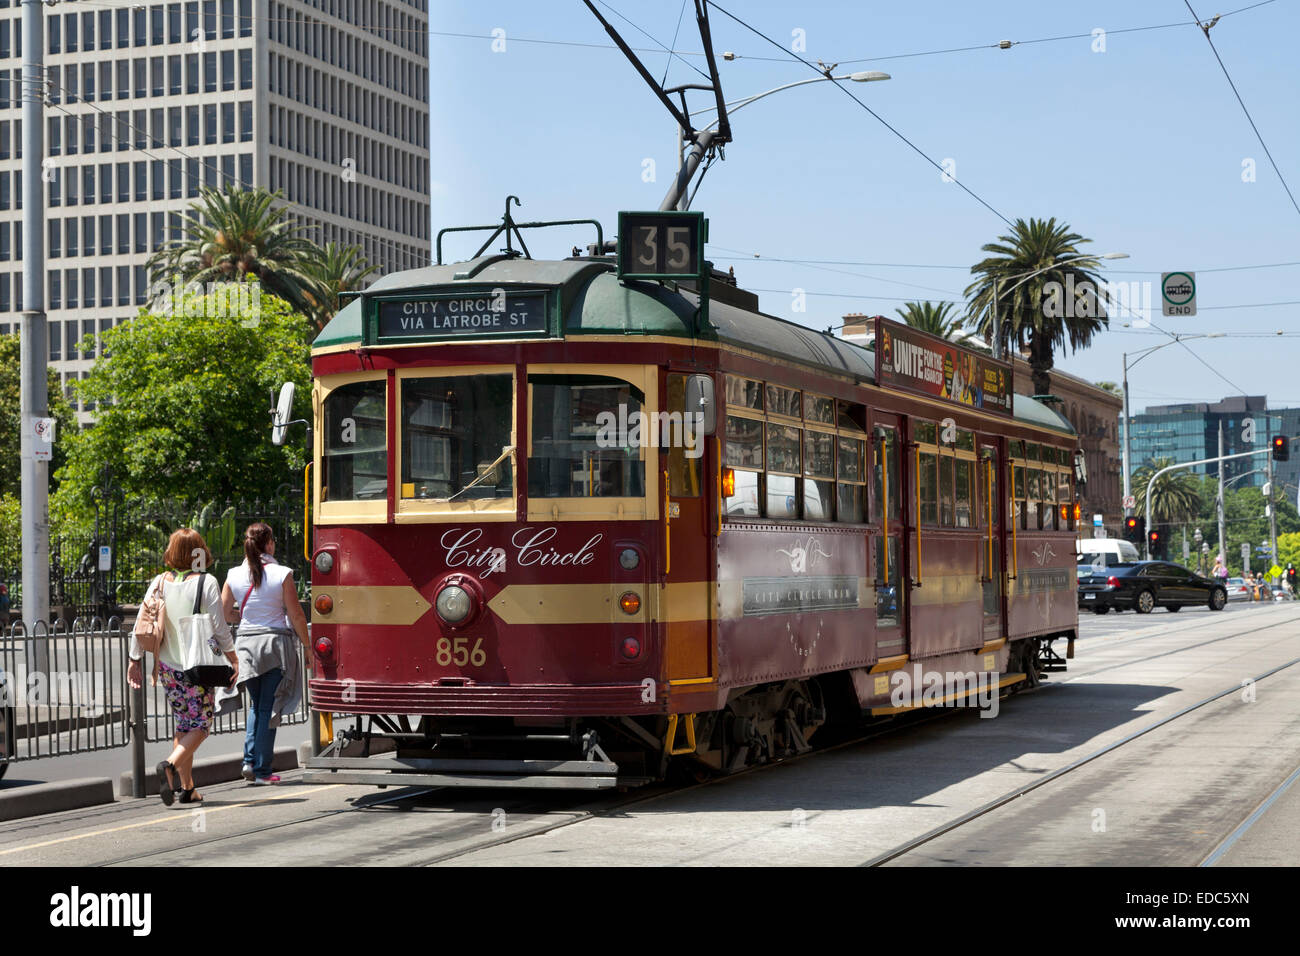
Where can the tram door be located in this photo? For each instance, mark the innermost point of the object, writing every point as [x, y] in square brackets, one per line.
[686, 613]
[891, 578]
[991, 544]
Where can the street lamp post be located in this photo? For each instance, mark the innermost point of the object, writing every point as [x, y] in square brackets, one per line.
[1025, 277]
[1200, 551]
[1140, 355]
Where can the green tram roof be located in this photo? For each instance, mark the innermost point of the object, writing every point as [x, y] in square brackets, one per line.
[594, 301]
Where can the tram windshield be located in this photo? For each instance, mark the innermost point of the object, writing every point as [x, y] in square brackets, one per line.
[354, 446]
[456, 437]
[585, 437]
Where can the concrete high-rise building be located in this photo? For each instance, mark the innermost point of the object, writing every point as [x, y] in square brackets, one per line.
[325, 100]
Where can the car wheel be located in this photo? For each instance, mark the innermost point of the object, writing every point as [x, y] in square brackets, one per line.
[1174, 607]
[1145, 603]
[1100, 610]
[1218, 598]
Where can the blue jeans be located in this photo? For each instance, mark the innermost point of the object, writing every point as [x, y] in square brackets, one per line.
[259, 738]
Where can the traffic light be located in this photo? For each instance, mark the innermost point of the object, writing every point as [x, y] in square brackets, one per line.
[1135, 529]
[1281, 448]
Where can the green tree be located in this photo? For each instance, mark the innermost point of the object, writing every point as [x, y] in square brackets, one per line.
[1111, 387]
[928, 317]
[184, 399]
[335, 269]
[1288, 549]
[1034, 313]
[1244, 523]
[237, 234]
[10, 382]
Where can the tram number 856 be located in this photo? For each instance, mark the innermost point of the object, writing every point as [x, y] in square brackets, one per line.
[459, 652]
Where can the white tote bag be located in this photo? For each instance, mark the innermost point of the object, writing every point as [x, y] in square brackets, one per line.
[201, 662]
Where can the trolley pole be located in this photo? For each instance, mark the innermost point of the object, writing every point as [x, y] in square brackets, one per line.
[34, 397]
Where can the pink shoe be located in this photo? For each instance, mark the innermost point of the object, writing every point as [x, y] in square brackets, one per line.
[267, 781]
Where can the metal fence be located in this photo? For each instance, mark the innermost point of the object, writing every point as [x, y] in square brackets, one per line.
[86, 582]
[64, 691]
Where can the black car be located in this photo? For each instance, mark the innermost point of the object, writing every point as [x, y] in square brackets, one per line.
[1146, 585]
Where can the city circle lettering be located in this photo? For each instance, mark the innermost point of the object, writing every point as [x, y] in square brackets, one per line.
[531, 547]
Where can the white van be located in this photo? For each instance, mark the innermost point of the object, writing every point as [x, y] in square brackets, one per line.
[1104, 552]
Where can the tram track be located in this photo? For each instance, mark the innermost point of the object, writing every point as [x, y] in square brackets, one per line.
[952, 825]
[621, 802]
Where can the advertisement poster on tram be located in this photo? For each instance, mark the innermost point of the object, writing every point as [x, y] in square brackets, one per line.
[914, 361]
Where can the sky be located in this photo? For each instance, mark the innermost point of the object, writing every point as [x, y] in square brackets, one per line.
[1134, 138]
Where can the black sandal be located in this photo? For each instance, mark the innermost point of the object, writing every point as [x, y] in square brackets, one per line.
[187, 796]
[166, 785]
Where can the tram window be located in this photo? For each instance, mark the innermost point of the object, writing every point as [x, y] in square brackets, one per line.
[355, 447]
[963, 469]
[1031, 451]
[928, 486]
[818, 408]
[1033, 494]
[744, 503]
[888, 578]
[685, 444]
[884, 450]
[455, 437]
[744, 442]
[570, 454]
[1018, 497]
[926, 433]
[965, 440]
[818, 500]
[744, 392]
[851, 416]
[782, 496]
[783, 401]
[783, 449]
[947, 515]
[851, 487]
[819, 454]
[1048, 511]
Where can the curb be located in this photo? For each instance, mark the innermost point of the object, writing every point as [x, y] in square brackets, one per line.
[207, 771]
[41, 798]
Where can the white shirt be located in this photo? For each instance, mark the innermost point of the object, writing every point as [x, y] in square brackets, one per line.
[179, 599]
[265, 606]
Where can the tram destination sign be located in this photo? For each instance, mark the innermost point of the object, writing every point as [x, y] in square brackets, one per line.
[490, 312]
[913, 361]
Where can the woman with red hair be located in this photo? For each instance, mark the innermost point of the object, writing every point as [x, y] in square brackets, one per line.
[185, 582]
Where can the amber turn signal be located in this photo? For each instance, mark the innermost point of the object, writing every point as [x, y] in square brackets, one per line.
[630, 603]
[728, 482]
[1078, 511]
[323, 603]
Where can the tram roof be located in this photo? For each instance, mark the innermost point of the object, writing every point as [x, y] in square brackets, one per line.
[595, 301]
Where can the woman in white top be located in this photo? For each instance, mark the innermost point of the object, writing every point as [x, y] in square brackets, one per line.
[269, 616]
[192, 705]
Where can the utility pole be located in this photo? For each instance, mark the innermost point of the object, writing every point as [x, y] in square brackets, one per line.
[1223, 542]
[34, 394]
[1272, 511]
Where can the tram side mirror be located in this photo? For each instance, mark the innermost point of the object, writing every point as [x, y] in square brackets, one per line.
[281, 415]
[1080, 471]
[699, 400]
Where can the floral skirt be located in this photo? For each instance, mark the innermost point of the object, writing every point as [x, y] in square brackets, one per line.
[191, 705]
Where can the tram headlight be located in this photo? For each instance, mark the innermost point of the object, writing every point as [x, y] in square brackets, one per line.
[628, 559]
[454, 604]
[324, 562]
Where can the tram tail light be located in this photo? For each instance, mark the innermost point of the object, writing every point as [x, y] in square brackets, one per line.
[631, 648]
[323, 603]
[324, 648]
[728, 482]
[630, 602]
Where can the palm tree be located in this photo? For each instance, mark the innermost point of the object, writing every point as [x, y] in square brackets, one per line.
[927, 317]
[1072, 311]
[1175, 496]
[335, 269]
[234, 235]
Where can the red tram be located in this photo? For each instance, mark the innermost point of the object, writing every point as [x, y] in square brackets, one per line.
[570, 528]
